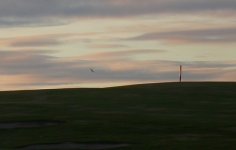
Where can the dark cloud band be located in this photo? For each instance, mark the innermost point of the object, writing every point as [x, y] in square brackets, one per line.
[199, 35]
[20, 12]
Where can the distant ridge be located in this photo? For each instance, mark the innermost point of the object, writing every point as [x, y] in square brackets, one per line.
[200, 83]
[143, 85]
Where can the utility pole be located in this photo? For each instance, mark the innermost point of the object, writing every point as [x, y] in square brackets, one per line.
[180, 73]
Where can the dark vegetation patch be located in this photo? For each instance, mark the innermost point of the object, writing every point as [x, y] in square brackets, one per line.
[28, 124]
[77, 146]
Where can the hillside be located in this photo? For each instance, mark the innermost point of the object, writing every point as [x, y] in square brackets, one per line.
[165, 116]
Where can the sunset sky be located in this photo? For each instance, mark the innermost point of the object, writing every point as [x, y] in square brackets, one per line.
[54, 43]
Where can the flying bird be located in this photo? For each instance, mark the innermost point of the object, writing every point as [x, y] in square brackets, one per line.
[92, 70]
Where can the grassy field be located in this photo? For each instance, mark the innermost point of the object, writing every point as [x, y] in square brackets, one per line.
[167, 116]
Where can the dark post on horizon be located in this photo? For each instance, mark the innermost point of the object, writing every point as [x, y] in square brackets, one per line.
[180, 73]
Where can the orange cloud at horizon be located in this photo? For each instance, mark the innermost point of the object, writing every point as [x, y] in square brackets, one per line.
[11, 81]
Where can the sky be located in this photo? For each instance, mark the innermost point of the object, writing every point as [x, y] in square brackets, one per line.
[54, 43]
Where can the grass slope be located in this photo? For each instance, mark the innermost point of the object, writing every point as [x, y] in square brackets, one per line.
[168, 116]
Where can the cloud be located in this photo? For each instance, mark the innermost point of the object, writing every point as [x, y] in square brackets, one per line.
[22, 61]
[122, 54]
[35, 41]
[6, 22]
[108, 46]
[25, 12]
[197, 35]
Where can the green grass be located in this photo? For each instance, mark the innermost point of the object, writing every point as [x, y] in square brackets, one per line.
[168, 116]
